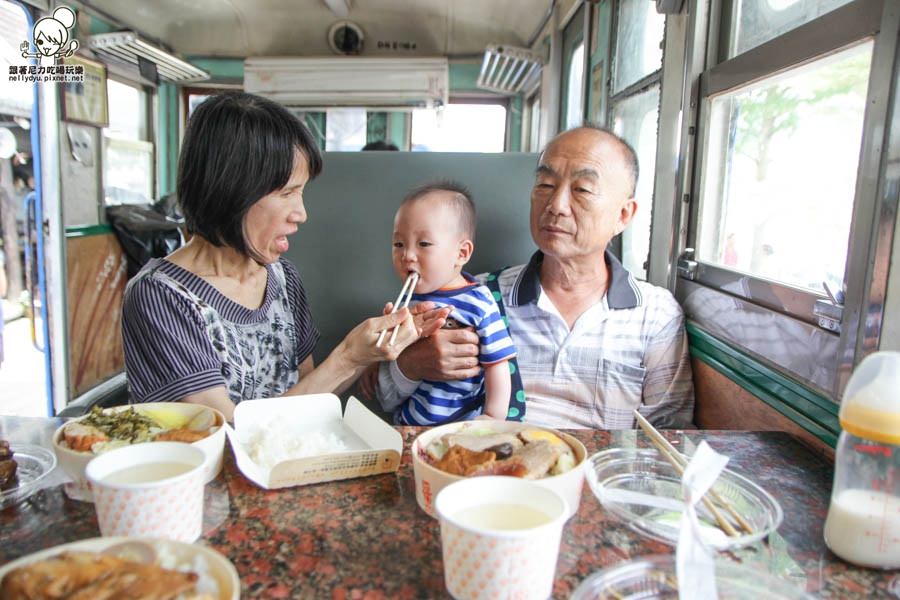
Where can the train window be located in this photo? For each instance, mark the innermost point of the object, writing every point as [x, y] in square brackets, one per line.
[639, 36]
[635, 119]
[314, 121]
[460, 128]
[128, 172]
[345, 129]
[195, 100]
[574, 88]
[780, 225]
[634, 97]
[127, 111]
[765, 212]
[754, 22]
[571, 89]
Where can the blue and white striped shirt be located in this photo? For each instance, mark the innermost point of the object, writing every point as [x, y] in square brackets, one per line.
[436, 402]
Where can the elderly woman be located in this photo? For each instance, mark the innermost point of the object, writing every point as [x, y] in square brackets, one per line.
[225, 318]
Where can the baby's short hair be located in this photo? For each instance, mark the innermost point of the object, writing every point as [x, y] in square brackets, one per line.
[460, 200]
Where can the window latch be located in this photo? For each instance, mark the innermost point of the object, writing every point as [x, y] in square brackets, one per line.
[829, 312]
[687, 266]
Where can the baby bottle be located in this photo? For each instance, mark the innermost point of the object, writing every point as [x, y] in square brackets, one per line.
[863, 524]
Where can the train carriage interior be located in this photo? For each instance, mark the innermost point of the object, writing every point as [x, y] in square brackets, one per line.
[767, 131]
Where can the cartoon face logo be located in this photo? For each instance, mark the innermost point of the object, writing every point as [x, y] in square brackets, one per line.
[51, 37]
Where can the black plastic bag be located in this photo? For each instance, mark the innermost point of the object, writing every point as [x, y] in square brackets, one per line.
[143, 233]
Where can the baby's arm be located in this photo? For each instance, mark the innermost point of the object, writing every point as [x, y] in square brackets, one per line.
[497, 387]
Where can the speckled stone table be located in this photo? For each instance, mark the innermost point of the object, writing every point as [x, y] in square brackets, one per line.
[367, 538]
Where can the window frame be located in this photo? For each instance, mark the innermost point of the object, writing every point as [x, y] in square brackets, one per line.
[151, 134]
[574, 33]
[861, 315]
[802, 45]
[531, 127]
[637, 87]
[614, 99]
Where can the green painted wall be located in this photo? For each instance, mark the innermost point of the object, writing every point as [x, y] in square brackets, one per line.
[221, 70]
[398, 129]
[98, 25]
[315, 122]
[387, 126]
[463, 77]
[514, 123]
[87, 230]
[167, 152]
[376, 127]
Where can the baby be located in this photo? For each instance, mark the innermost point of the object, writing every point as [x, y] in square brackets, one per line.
[434, 231]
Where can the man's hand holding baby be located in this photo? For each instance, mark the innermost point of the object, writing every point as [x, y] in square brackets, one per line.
[446, 355]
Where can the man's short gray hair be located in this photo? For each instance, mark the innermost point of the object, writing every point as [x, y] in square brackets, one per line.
[628, 153]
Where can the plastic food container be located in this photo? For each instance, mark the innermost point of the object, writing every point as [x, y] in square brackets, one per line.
[654, 577]
[34, 464]
[74, 462]
[615, 475]
[430, 480]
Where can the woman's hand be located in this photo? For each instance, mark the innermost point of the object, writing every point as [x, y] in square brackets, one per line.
[357, 351]
[427, 318]
[359, 346]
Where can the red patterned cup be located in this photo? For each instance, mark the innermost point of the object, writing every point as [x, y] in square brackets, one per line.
[500, 538]
[149, 490]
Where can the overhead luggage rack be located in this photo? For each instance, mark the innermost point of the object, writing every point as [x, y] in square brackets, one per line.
[127, 46]
[507, 69]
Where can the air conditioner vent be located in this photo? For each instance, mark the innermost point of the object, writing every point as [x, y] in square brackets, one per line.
[507, 70]
[127, 46]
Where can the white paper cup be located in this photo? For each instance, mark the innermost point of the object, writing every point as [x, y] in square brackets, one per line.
[484, 562]
[170, 508]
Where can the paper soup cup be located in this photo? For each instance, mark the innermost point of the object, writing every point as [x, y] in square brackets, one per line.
[500, 537]
[430, 480]
[149, 490]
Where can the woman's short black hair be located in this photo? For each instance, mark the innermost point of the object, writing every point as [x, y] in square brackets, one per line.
[237, 148]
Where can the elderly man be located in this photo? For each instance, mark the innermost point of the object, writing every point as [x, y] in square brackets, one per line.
[593, 343]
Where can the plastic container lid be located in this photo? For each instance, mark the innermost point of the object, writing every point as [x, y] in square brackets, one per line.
[654, 577]
[34, 464]
[871, 406]
[615, 475]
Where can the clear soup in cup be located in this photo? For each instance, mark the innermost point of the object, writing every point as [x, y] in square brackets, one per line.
[149, 490]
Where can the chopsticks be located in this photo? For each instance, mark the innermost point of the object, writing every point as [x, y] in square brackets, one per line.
[405, 296]
[679, 462]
